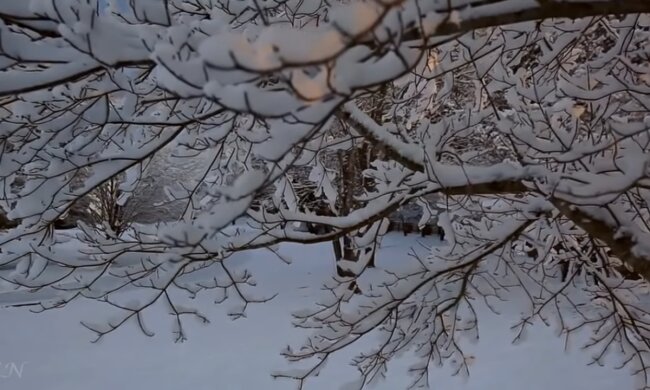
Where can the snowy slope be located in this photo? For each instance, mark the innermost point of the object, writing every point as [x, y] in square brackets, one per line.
[225, 354]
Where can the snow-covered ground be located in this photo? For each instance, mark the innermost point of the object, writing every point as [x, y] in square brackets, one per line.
[54, 350]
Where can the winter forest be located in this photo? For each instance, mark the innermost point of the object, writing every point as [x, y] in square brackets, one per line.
[433, 161]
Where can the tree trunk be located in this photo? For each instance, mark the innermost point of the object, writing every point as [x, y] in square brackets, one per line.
[352, 164]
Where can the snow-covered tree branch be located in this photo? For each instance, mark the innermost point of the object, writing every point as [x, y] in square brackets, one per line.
[520, 128]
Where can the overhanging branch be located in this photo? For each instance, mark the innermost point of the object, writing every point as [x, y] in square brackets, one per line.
[621, 244]
[493, 13]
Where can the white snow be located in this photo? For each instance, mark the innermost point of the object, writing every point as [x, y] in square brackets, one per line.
[56, 353]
